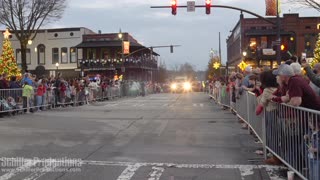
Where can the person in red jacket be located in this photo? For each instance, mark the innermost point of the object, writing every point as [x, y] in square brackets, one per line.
[41, 90]
[63, 89]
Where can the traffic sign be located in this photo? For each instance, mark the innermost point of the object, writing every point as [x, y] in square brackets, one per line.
[191, 6]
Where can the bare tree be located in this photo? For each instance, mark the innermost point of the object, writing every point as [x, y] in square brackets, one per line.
[315, 4]
[25, 17]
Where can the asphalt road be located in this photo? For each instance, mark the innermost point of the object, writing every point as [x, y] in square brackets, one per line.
[158, 137]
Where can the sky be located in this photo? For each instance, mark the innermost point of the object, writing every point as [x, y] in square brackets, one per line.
[196, 32]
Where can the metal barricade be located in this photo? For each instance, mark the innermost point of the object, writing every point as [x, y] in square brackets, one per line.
[242, 106]
[292, 134]
[254, 121]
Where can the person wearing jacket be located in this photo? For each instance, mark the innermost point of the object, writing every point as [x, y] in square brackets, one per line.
[27, 94]
[313, 75]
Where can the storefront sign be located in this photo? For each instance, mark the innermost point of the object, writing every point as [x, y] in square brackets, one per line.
[271, 7]
[268, 52]
[126, 47]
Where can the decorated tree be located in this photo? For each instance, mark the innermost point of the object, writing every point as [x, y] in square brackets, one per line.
[8, 63]
[316, 58]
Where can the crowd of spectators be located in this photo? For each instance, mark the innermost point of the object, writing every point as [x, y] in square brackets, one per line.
[290, 85]
[33, 93]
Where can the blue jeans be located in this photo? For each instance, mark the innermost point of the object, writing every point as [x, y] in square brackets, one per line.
[314, 169]
[39, 102]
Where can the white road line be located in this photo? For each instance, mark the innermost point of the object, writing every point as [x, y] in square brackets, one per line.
[23, 168]
[195, 105]
[165, 105]
[162, 127]
[41, 172]
[128, 173]
[131, 168]
[156, 173]
[201, 105]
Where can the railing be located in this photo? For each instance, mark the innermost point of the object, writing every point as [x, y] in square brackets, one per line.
[13, 102]
[292, 134]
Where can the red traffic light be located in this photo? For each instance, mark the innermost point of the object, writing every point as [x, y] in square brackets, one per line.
[208, 6]
[174, 7]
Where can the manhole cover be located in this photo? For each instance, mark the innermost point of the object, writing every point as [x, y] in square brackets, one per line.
[212, 121]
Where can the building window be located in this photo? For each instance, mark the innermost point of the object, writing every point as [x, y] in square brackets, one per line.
[19, 59]
[55, 55]
[73, 55]
[64, 55]
[91, 53]
[41, 54]
[264, 42]
[253, 43]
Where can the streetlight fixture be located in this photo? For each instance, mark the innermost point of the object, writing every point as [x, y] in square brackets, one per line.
[244, 53]
[120, 34]
[57, 66]
[29, 41]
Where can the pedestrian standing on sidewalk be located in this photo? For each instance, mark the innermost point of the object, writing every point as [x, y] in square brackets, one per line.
[27, 94]
[41, 90]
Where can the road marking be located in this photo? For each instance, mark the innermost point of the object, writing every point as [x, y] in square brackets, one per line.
[195, 105]
[128, 173]
[41, 172]
[165, 105]
[162, 127]
[29, 163]
[156, 173]
[201, 105]
[111, 105]
[131, 168]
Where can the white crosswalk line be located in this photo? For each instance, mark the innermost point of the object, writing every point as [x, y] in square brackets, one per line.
[156, 173]
[41, 172]
[20, 169]
[201, 105]
[128, 173]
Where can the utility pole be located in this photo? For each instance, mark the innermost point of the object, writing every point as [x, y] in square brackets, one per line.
[220, 54]
[278, 35]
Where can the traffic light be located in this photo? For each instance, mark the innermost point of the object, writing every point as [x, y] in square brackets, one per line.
[171, 49]
[208, 6]
[283, 47]
[174, 7]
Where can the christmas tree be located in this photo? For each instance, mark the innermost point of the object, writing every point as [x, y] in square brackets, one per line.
[316, 58]
[8, 63]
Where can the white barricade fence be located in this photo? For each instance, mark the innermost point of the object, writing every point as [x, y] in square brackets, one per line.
[12, 100]
[292, 134]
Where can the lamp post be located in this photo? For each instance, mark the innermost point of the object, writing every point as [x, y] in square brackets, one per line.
[120, 36]
[57, 66]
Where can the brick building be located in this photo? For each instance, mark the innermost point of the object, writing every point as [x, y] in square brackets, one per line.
[256, 38]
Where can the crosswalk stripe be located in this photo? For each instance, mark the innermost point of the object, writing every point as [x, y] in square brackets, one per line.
[41, 172]
[23, 168]
[156, 173]
[128, 173]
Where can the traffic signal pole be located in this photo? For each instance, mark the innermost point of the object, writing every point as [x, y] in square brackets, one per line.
[220, 6]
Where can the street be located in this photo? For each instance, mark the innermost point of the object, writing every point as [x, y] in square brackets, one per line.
[157, 137]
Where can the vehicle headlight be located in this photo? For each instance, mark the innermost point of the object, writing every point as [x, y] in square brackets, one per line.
[174, 86]
[187, 86]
